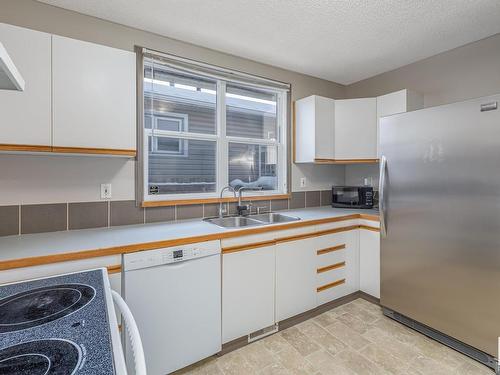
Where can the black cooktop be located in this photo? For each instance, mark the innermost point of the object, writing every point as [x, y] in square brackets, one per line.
[42, 305]
[41, 357]
[56, 326]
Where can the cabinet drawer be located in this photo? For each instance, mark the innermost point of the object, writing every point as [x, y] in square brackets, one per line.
[328, 256]
[330, 276]
[331, 240]
[332, 293]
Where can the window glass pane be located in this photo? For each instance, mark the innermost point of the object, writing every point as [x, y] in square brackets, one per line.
[148, 122]
[250, 113]
[187, 99]
[253, 166]
[169, 123]
[181, 165]
[169, 145]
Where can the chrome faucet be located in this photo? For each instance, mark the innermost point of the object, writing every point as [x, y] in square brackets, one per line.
[242, 208]
[228, 187]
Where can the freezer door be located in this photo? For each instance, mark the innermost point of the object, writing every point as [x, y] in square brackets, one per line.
[440, 256]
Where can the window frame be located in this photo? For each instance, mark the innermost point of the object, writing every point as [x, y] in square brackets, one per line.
[222, 141]
[155, 132]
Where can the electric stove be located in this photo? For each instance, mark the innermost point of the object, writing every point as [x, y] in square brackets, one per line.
[58, 325]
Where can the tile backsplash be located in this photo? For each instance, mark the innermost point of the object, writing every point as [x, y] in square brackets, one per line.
[9, 220]
[38, 218]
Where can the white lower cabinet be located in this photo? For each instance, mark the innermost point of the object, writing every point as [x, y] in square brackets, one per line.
[264, 285]
[247, 291]
[337, 259]
[369, 262]
[295, 277]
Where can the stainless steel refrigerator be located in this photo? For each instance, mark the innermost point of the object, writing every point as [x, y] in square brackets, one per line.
[440, 223]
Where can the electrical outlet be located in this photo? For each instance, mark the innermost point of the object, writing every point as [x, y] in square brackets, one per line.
[303, 182]
[105, 191]
[368, 181]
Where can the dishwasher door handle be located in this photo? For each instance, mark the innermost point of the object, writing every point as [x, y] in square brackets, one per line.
[175, 266]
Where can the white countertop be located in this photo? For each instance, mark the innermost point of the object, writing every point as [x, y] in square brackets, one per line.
[41, 244]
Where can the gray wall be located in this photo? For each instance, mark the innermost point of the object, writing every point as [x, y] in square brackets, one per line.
[466, 72]
[463, 73]
[42, 17]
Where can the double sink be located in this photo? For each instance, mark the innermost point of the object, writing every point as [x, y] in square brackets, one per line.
[252, 220]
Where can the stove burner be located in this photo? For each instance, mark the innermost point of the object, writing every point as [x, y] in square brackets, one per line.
[42, 305]
[41, 357]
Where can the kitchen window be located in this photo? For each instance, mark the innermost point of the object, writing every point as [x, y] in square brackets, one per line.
[205, 128]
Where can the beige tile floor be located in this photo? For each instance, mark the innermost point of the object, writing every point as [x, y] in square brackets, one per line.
[351, 339]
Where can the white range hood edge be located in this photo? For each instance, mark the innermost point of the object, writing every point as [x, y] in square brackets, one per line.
[10, 78]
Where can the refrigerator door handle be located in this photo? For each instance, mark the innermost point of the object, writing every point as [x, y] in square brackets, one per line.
[381, 190]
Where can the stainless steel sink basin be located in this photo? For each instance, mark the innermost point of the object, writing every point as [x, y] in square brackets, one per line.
[272, 218]
[234, 222]
[253, 220]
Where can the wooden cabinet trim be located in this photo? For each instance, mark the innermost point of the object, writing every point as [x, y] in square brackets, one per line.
[94, 151]
[298, 237]
[330, 267]
[67, 150]
[255, 245]
[330, 285]
[369, 217]
[116, 268]
[117, 250]
[184, 202]
[367, 227]
[346, 161]
[316, 234]
[330, 249]
[25, 148]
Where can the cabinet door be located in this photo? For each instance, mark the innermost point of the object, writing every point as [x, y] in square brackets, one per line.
[247, 291]
[314, 129]
[387, 105]
[397, 102]
[94, 95]
[324, 117]
[26, 115]
[295, 278]
[369, 262]
[356, 129]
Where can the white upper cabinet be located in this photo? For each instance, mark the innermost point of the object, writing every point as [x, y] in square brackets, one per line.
[94, 95]
[335, 131]
[26, 115]
[314, 127]
[356, 129]
[397, 102]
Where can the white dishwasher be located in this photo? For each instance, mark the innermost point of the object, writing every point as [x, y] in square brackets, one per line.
[175, 296]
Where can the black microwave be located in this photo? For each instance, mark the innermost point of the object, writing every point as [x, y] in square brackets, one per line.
[352, 196]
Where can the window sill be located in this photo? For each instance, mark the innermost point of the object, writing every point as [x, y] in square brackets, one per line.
[185, 202]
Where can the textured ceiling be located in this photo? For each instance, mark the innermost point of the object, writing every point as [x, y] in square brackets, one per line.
[340, 40]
